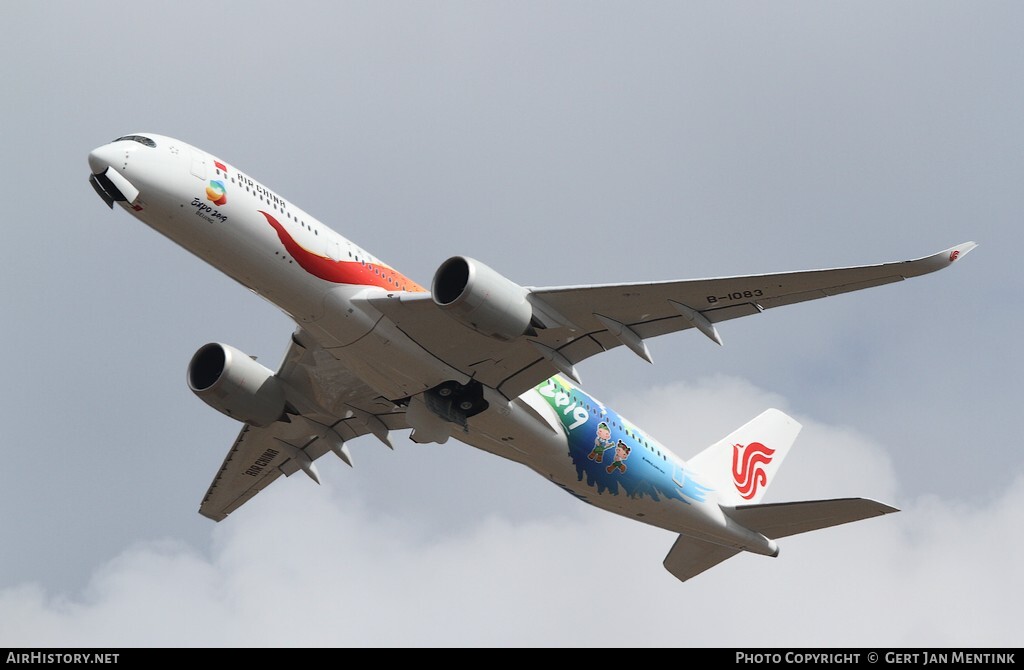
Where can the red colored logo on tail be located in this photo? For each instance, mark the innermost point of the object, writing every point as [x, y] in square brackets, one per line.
[748, 469]
[954, 255]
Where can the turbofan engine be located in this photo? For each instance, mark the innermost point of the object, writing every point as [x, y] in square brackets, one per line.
[234, 384]
[477, 296]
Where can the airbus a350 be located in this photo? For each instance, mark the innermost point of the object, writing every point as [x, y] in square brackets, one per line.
[477, 357]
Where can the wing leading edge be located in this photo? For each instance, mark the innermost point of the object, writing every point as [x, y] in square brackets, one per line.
[596, 318]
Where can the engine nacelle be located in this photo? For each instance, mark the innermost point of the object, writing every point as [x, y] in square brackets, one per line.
[478, 297]
[236, 385]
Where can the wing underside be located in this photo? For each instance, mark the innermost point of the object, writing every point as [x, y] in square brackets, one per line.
[332, 407]
[593, 319]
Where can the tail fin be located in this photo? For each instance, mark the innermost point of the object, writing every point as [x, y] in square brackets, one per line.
[742, 465]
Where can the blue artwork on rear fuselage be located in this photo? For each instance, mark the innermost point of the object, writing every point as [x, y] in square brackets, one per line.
[611, 454]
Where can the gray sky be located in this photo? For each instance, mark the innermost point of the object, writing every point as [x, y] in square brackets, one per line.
[560, 143]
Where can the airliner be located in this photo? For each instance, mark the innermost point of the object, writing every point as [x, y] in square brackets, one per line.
[476, 357]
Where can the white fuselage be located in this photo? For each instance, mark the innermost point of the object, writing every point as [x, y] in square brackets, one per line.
[269, 245]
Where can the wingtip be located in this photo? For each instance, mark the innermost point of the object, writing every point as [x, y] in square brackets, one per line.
[882, 508]
[953, 254]
[938, 261]
[960, 250]
[213, 516]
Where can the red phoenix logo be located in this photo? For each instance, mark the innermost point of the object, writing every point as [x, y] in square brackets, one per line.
[748, 469]
[954, 255]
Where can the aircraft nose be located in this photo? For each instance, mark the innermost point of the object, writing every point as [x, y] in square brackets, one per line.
[105, 156]
[107, 163]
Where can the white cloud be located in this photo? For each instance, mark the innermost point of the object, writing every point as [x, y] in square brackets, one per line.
[316, 568]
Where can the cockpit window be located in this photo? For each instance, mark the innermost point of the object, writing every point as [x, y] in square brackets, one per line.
[138, 138]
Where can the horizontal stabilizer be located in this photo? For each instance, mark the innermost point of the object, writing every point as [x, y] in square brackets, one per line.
[689, 557]
[784, 519]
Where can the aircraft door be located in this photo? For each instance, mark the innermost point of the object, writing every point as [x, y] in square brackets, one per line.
[678, 475]
[199, 165]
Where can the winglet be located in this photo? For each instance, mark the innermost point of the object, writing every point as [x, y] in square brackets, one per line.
[940, 260]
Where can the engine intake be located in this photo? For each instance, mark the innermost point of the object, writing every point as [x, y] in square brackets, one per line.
[235, 385]
[477, 296]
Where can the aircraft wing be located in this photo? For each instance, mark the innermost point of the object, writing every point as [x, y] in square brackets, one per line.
[331, 406]
[585, 320]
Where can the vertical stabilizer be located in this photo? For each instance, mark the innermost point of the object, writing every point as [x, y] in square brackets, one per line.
[742, 465]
